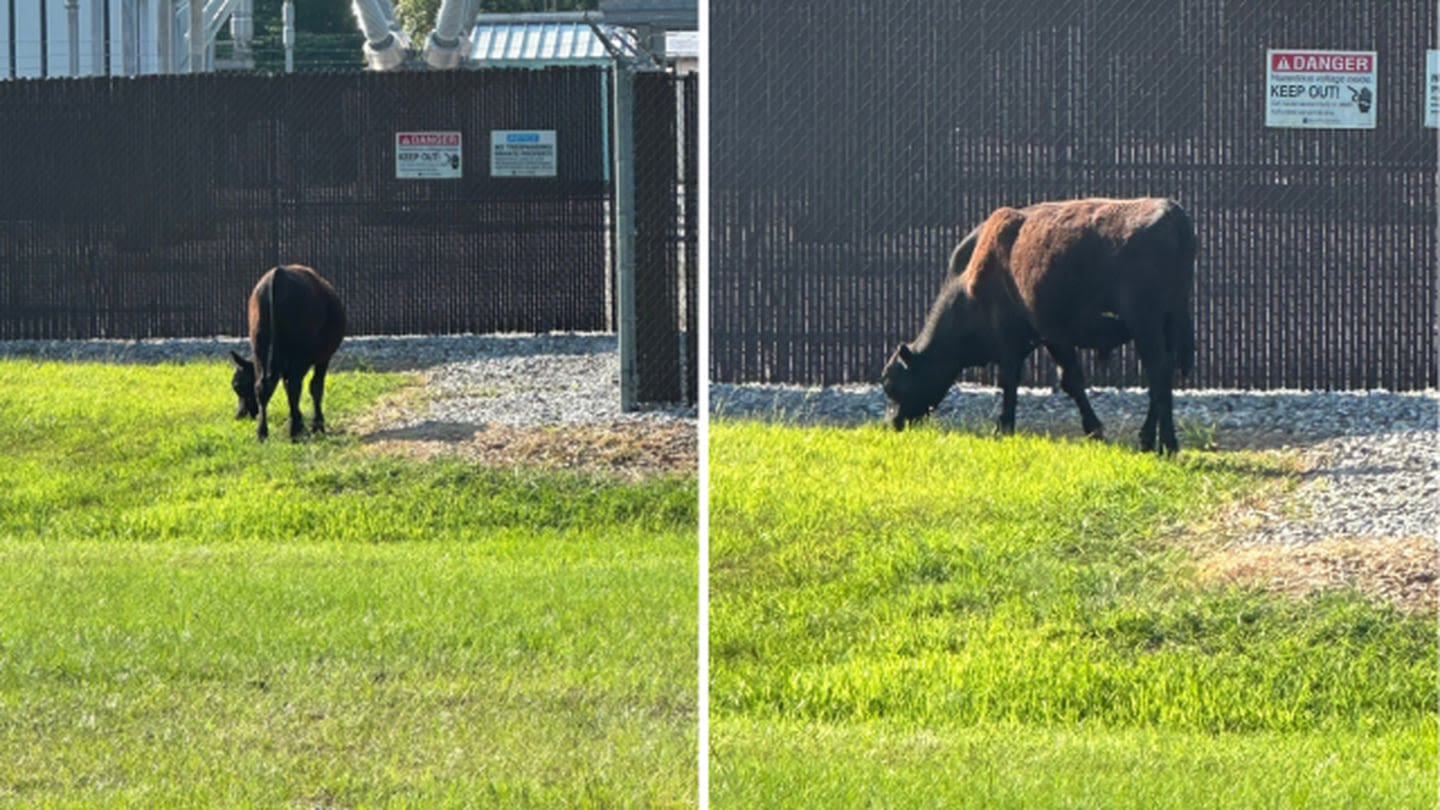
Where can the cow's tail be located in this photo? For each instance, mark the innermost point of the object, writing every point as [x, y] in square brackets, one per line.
[270, 353]
[1183, 326]
[263, 336]
[1184, 330]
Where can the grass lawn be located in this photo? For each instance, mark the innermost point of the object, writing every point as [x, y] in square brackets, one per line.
[189, 618]
[937, 619]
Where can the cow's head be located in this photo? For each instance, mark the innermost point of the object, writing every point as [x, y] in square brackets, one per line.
[910, 387]
[243, 382]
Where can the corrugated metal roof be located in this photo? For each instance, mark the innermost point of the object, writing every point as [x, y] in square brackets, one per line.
[527, 43]
[670, 14]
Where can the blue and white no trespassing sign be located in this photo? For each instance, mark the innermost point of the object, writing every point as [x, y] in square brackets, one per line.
[1432, 88]
[523, 153]
[1320, 89]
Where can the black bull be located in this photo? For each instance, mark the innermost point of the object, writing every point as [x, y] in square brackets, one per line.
[296, 323]
[1066, 275]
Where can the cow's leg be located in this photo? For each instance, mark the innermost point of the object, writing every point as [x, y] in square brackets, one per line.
[1072, 382]
[264, 389]
[317, 393]
[1159, 364]
[1009, 384]
[294, 383]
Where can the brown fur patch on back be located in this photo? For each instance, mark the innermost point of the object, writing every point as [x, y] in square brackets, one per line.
[991, 262]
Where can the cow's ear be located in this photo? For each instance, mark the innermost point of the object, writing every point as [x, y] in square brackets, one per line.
[239, 361]
[903, 355]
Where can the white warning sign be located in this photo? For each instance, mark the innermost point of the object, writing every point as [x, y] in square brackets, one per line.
[1320, 89]
[427, 156]
[1432, 88]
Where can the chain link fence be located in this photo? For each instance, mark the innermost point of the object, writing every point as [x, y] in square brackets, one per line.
[853, 144]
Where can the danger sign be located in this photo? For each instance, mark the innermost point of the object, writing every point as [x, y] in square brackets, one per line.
[1320, 89]
[1322, 62]
[428, 156]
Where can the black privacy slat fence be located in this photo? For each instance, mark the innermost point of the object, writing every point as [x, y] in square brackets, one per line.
[149, 206]
[852, 144]
[666, 236]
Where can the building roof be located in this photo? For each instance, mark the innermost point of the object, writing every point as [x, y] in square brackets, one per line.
[509, 40]
[673, 15]
[535, 39]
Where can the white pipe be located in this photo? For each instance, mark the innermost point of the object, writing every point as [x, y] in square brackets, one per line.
[448, 21]
[385, 44]
[388, 10]
[447, 45]
[242, 28]
[197, 36]
[373, 22]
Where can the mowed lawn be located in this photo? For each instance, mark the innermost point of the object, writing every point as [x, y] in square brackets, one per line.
[189, 618]
[939, 619]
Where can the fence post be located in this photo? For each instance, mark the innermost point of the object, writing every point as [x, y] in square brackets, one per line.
[197, 37]
[624, 143]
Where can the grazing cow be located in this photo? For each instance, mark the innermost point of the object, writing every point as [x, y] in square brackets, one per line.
[1091, 273]
[296, 323]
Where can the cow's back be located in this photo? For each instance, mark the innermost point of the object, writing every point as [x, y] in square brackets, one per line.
[295, 317]
[1076, 261]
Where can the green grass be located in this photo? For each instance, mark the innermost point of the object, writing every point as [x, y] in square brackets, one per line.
[190, 618]
[935, 619]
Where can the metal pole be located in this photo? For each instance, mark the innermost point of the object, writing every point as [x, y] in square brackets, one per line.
[101, 30]
[44, 39]
[129, 39]
[165, 36]
[72, 25]
[287, 14]
[242, 32]
[625, 229]
[11, 29]
[197, 36]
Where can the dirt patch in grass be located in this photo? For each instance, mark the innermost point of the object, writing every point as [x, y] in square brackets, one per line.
[629, 450]
[1403, 571]
[426, 420]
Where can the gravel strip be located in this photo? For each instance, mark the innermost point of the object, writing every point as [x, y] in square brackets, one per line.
[1370, 460]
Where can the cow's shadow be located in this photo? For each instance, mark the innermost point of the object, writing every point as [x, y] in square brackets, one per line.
[427, 431]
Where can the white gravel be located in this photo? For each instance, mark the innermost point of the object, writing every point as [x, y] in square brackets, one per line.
[1371, 459]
